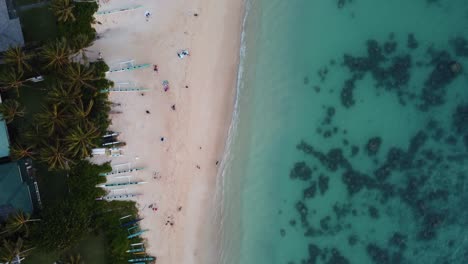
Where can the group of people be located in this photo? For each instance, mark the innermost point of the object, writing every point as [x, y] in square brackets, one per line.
[183, 53]
[147, 15]
[153, 207]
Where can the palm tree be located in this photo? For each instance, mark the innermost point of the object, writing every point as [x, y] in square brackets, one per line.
[63, 10]
[79, 75]
[18, 151]
[52, 119]
[80, 140]
[33, 136]
[80, 43]
[19, 222]
[65, 95]
[81, 112]
[56, 53]
[55, 155]
[17, 57]
[11, 109]
[11, 79]
[11, 251]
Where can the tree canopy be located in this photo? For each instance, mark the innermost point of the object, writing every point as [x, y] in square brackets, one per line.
[59, 126]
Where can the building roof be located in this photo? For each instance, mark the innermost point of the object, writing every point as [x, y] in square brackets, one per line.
[4, 140]
[14, 193]
[10, 27]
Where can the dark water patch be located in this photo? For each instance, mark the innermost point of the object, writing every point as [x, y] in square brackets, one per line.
[373, 145]
[451, 140]
[325, 223]
[433, 1]
[327, 134]
[460, 119]
[347, 92]
[445, 70]
[314, 254]
[317, 88]
[342, 3]
[390, 47]
[345, 142]
[373, 212]
[411, 42]
[383, 172]
[431, 222]
[460, 45]
[329, 114]
[310, 191]
[292, 222]
[336, 258]
[301, 171]
[398, 241]
[341, 210]
[323, 183]
[353, 240]
[383, 256]
[313, 232]
[322, 73]
[354, 150]
[332, 160]
[391, 73]
[356, 181]
[303, 212]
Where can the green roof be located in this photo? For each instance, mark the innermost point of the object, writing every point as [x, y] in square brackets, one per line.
[4, 141]
[14, 193]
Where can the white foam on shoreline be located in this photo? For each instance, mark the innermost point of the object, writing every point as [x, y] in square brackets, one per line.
[220, 195]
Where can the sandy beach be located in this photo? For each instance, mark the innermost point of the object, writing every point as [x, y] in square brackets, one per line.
[180, 170]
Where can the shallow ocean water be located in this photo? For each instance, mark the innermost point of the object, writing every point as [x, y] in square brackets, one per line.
[351, 134]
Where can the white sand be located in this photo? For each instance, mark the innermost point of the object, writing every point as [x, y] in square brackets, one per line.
[195, 134]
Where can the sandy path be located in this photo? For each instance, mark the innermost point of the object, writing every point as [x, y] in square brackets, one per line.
[195, 133]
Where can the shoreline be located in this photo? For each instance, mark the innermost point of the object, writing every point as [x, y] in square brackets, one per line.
[195, 134]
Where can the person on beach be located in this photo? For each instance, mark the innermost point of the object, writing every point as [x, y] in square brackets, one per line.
[155, 68]
[156, 176]
[183, 54]
[165, 84]
[173, 107]
[147, 15]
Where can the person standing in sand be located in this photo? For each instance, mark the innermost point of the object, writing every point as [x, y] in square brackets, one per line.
[147, 15]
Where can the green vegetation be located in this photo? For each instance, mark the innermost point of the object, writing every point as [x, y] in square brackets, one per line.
[38, 24]
[10, 110]
[63, 10]
[83, 12]
[77, 215]
[57, 122]
[26, 2]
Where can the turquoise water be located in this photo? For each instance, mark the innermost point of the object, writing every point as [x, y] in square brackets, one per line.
[350, 136]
